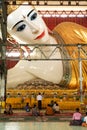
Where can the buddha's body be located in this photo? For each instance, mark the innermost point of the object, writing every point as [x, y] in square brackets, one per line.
[23, 26]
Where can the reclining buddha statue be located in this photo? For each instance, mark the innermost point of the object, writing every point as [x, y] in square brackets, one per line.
[26, 26]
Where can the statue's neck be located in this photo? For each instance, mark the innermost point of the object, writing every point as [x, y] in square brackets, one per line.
[50, 51]
[46, 51]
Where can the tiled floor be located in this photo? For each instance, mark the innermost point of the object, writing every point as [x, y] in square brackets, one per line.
[29, 125]
[38, 126]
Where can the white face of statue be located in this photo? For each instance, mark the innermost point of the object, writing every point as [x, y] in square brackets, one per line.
[26, 25]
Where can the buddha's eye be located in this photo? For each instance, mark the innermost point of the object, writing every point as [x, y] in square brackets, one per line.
[34, 16]
[21, 28]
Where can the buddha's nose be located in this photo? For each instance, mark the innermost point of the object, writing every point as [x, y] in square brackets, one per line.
[35, 29]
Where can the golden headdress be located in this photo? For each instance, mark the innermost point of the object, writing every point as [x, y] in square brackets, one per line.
[11, 6]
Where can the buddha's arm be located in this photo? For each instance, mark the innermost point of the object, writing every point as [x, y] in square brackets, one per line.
[17, 75]
[26, 70]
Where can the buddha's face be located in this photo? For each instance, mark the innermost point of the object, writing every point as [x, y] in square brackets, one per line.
[26, 25]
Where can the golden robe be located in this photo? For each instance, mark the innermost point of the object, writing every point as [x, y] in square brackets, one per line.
[73, 33]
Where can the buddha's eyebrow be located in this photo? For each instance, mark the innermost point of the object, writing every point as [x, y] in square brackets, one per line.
[17, 23]
[22, 20]
[30, 12]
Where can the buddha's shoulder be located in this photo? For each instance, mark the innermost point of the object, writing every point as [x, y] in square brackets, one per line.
[69, 25]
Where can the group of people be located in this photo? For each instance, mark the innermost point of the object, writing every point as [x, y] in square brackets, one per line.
[78, 119]
[52, 108]
[36, 108]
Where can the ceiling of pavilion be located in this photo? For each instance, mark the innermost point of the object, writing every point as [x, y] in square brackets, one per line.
[58, 4]
[51, 2]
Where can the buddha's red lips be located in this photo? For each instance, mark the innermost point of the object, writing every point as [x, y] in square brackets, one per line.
[40, 36]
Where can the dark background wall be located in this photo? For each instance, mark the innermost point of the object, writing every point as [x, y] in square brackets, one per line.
[53, 21]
